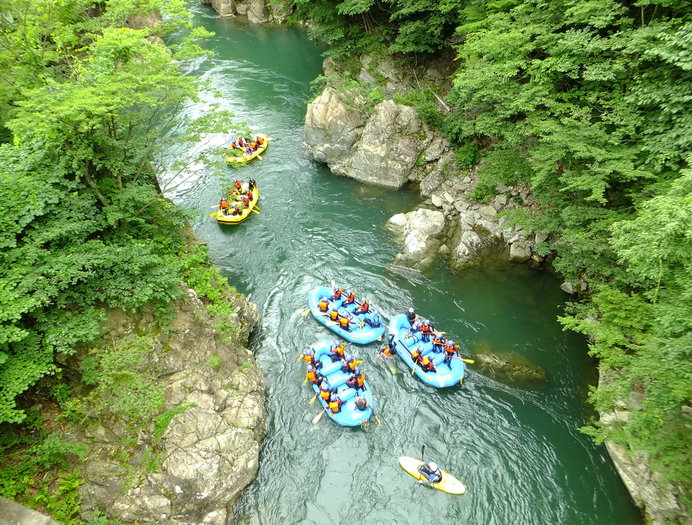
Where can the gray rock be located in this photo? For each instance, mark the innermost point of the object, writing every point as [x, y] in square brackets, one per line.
[519, 252]
[567, 287]
[436, 201]
[509, 368]
[419, 232]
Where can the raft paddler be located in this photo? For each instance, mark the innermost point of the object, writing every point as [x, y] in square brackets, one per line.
[390, 348]
[323, 304]
[337, 353]
[438, 342]
[336, 295]
[426, 330]
[334, 404]
[451, 348]
[350, 298]
[345, 321]
[309, 357]
[362, 403]
[325, 391]
[357, 380]
[237, 185]
[334, 315]
[313, 374]
[411, 316]
[349, 365]
[427, 365]
[364, 307]
[416, 355]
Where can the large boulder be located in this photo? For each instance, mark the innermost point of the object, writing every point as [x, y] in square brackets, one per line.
[419, 232]
[256, 11]
[332, 127]
[209, 452]
[509, 368]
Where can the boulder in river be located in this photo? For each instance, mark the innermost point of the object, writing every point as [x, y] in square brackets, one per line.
[509, 368]
[419, 232]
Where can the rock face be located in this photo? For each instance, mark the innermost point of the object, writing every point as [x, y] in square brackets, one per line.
[419, 231]
[381, 150]
[509, 368]
[209, 452]
[257, 11]
[660, 500]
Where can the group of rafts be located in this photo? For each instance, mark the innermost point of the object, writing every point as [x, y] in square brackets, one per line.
[242, 199]
[340, 384]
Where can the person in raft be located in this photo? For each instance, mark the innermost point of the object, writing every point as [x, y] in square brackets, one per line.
[336, 294]
[334, 404]
[314, 375]
[431, 472]
[349, 364]
[223, 204]
[337, 353]
[349, 299]
[451, 348]
[334, 315]
[427, 365]
[356, 381]
[364, 307]
[411, 316]
[309, 357]
[416, 355]
[345, 320]
[426, 330]
[325, 391]
[362, 403]
[438, 343]
[323, 304]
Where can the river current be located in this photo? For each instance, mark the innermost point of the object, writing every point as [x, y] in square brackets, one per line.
[517, 449]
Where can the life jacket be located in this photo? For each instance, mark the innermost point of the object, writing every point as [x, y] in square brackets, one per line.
[351, 365]
[237, 184]
[427, 364]
[339, 350]
[350, 298]
[253, 144]
[260, 141]
[241, 142]
[388, 351]
[335, 406]
[325, 394]
[438, 341]
[246, 201]
[223, 204]
[360, 379]
[334, 315]
[450, 350]
[364, 306]
[323, 305]
[415, 355]
[344, 322]
[310, 374]
[308, 358]
[426, 329]
[337, 294]
[234, 145]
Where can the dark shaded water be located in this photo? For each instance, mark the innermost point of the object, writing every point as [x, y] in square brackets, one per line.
[517, 449]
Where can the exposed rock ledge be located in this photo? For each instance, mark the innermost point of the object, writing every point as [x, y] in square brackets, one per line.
[209, 452]
[390, 146]
[256, 11]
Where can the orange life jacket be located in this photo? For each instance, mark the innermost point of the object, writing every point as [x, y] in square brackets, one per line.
[307, 358]
[339, 349]
[337, 294]
[310, 374]
[426, 329]
[335, 406]
[325, 394]
[351, 365]
[344, 322]
[364, 306]
[415, 355]
[334, 315]
[323, 305]
[223, 204]
[350, 297]
[387, 351]
[360, 379]
[237, 185]
[450, 349]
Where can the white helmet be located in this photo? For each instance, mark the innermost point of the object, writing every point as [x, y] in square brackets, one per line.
[433, 466]
[410, 310]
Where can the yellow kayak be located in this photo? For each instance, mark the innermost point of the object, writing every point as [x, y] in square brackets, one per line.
[228, 218]
[237, 160]
[449, 483]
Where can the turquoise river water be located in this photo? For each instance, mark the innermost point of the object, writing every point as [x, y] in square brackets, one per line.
[517, 449]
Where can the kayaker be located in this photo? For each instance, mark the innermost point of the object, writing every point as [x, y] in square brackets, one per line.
[411, 316]
[337, 353]
[431, 472]
[364, 307]
[451, 348]
[427, 365]
[335, 404]
[323, 305]
[438, 342]
[426, 331]
[337, 294]
[362, 403]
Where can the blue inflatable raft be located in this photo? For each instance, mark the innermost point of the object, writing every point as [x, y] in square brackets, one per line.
[362, 330]
[406, 342]
[349, 415]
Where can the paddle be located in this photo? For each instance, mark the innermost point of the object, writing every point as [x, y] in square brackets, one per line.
[256, 208]
[314, 398]
[306, 312]
[213, 214]
[256, 211]
[318, 416]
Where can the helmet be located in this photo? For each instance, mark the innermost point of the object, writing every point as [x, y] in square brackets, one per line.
[450, 342]
[433, 465]
[309, 351]
[426, 323]
[410, 310]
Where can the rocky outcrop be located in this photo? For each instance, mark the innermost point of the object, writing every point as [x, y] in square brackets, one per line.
[209, 451]
[256, 11]
[420, 232]
[509, 368]
[660, 500]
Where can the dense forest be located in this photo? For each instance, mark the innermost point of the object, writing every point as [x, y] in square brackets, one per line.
[86, 89]
[588, 102]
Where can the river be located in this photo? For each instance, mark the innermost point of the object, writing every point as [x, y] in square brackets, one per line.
[517, 449]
